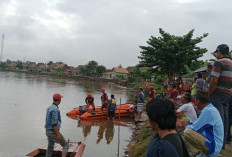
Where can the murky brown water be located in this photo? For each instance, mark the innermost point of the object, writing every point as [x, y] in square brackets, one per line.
[24, 99]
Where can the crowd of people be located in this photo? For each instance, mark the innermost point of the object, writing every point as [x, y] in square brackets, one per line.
[202, 109]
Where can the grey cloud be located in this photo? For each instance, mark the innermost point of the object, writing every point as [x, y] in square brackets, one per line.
[107, 31]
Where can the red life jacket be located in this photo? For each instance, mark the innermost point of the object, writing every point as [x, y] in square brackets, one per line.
[104, 98]
[152, 95]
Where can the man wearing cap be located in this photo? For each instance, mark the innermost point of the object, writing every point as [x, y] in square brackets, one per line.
[52, 126]
[220, 88]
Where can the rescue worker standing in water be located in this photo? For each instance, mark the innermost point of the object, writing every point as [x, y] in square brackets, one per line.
[89, 100]
[104, 99]
[112, 107]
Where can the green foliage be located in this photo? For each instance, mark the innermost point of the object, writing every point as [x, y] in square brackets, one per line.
[3, 65]
[189, 71]
[100, 69]
[50, 63]
[60, 70]
[159, 79]
[120, 77]
[168, 54]
[19, 65]
[92, 69]
[196, 64]
[138, 75]
[8, 61]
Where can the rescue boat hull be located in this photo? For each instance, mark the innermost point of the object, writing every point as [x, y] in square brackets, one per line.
[125, 110]
[76, 149]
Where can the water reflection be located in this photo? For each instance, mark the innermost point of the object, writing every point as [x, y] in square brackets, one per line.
[105, 127]
[18, 94]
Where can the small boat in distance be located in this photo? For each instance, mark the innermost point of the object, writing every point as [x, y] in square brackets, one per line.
[124, 110]
[76, 149]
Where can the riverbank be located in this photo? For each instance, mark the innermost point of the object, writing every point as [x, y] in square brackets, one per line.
[141, 134]
[70, 76]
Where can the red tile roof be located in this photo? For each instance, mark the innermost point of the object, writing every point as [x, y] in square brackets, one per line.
[120, 70]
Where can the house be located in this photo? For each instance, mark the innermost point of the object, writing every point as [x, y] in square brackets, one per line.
[115, 72]
[108, 74]
[203, 70]
[40, 67]
[30, 65]
[51, 67]
[12, 65]
[62, 66]
[72, 70]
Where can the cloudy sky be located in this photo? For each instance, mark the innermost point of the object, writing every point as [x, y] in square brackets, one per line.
[108, 31]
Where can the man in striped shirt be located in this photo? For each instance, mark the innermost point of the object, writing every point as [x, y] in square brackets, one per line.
[220, 88]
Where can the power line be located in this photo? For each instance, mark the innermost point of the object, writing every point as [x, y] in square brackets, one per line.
[1, 57]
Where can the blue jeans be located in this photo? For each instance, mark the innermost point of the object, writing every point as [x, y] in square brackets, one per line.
[52, 138]
[221, 102]
[230, 121]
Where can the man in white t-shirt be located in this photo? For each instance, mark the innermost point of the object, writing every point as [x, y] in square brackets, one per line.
[187, 108]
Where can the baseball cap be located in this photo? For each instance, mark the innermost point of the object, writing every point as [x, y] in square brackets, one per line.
[223, 48]
[57, 96]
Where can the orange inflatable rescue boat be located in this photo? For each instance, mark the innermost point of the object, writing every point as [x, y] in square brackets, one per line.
[124, 110]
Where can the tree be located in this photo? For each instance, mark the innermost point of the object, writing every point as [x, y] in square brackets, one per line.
[3, 65]
[100, 69]
[19, 65]
[168, 54]
[50, 63]
[92, 69]
[197, 64]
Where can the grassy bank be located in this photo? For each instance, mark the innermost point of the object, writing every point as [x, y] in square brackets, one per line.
[142, 135]
[138, 147]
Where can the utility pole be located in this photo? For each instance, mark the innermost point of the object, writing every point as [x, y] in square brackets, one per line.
[1, 55]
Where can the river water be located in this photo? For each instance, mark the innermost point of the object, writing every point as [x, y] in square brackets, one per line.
[24, 99]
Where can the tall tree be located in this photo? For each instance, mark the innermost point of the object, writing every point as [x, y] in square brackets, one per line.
[168, 54]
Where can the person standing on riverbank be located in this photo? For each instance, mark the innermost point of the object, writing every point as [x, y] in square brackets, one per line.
[53, 125]
[89, 100]
[140, 102]
[194, 88]
[220, 88]
[104, 99]
[200, 82]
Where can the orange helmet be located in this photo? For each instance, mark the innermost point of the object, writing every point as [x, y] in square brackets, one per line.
[151, 87]
[89, 95]
[103, 89]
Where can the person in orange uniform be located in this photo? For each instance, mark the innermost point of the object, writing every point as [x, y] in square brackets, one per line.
[89, 100]
[151, 93]
[104, 99]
